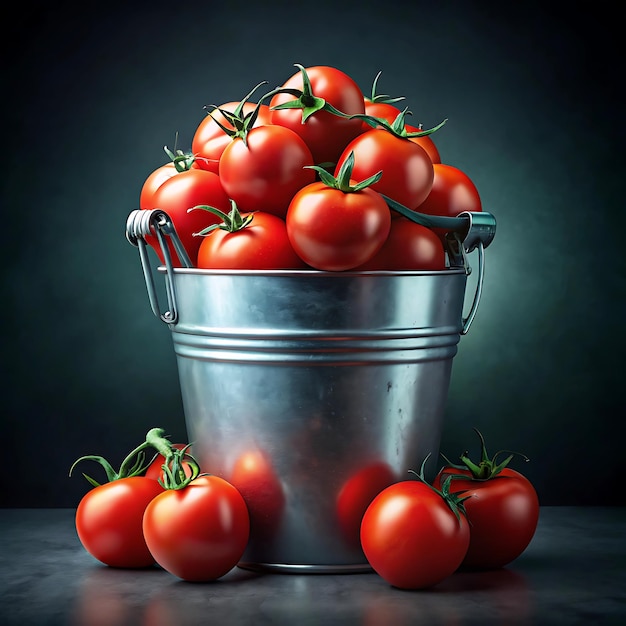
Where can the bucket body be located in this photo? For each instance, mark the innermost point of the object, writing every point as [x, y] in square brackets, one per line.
[312, 391]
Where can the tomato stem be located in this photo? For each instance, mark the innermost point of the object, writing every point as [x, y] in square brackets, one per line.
[384, 98]
[231, 222]
[342, 181]
[241, 124]
[174, 475]
[486, 468]
[453, 500]
[134, 464]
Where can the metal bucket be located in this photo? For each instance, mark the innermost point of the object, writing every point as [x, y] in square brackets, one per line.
[311, 391]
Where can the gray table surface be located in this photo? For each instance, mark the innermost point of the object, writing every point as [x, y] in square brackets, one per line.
[573, 572]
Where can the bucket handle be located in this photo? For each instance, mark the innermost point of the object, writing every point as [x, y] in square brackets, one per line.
[141, 223]
[480, 233]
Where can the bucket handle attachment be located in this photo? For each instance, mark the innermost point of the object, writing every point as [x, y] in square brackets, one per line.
[468, 231]
[141, 223]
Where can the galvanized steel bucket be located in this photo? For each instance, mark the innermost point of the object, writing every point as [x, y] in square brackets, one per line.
[311, 391]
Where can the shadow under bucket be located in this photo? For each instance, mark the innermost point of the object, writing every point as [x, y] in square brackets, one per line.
[311, 392]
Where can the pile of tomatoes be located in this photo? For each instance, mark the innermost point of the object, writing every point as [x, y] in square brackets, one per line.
[301, 178]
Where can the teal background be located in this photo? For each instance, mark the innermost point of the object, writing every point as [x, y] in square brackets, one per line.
[92, 95]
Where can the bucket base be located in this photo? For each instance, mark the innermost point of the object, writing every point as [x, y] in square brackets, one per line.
[289, 568]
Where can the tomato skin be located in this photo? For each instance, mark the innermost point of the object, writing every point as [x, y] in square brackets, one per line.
[355, 496]
[411, 537]
[384, 110]
[109, 521]
[503, 512]
[407, 168]
[254, 476]
[426, 142]
[198, 533]
[209, 140]
[409, 246]
[262, 244]
[265, 174]
[324, 133]
[452, 192]
[178, 194]
[154, 180]
[335, 231]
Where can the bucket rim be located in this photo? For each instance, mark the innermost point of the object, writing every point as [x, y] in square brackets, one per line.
[311, 273]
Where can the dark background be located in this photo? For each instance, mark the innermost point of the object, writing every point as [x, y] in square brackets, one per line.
[91, 97]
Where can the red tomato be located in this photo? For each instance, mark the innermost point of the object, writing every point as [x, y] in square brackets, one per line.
[407, 168]
[325, 133]
[452, 193]
[153, 182]
[181, 192]
[334, 231]
[383, 110]
[266, 173]
[503, 512]
[389, 113]
[409, 246]
[254, 476]
[199, 532]
[109, 521]
[426, 142]
[411, 536]
[356, 495]
[261, 245]
[209, 140]
[155, 469]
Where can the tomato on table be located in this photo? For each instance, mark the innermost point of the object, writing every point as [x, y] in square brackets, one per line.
[198, 532]
[109, 521]
[109, 516]
[502, 507]
[305, 110]
[413, 535]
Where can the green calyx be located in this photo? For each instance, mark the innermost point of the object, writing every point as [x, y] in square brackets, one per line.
[398, 126]
[305, 99]
[241, 124]
[453, 500]
[342, 180]
[231, 221]
[136, 462]
[174, 474]
[182, 160]
[486, 468]
[384, 98]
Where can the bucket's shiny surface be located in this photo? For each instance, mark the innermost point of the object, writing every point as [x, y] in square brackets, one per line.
[312, 391]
